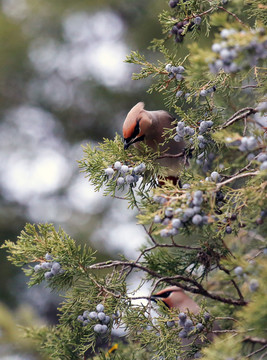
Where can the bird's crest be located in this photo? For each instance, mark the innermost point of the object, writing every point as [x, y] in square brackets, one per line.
[165, 292]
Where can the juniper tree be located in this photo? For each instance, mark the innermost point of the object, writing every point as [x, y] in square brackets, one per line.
[205, 235]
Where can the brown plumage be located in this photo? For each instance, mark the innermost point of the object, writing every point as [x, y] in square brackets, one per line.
[148, 126]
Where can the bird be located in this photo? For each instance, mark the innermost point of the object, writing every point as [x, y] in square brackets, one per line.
[141, 125]
[175, 297]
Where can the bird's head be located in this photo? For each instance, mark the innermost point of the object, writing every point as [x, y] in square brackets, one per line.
[172, 296]
[136, 124]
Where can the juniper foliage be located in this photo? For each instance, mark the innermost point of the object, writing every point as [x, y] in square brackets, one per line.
[197, 234]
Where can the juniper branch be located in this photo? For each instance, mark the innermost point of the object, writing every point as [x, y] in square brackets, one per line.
[233, 178]
[104, 289]
[257, 351]
[173, 245]
[240, 114]
[240, 170]
[234, 15]
[245, 87]
[241, 297]
[255, 340]
[263, 355]
[197, 289]
[171, 155]
[225, 331]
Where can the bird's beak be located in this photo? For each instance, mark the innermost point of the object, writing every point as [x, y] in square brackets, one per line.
[130, 141]
[157, 298]
[126, 144]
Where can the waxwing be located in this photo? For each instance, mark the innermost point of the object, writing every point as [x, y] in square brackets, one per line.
[148, 126]
[175, 297]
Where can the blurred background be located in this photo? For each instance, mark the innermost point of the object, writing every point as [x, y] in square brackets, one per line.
[63, 83]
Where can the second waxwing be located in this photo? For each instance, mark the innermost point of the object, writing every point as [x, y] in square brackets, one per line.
[148, 126]
[175, 297]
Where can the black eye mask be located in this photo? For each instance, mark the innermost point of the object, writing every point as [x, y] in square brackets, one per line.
[136, 129]
[133, 138]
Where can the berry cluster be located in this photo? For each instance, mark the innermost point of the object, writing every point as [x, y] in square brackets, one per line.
[239, 271]
[202, 142]
[206, 92]
[175, 71]
[179, 29]
[253, 283]
[174, 219]
[262, 158]
[123, 174]
[53, 267]
[188, 326]
[206, 162]
[228, 50]
[179, 93]
[248, 143]
[214, 176]
[102, 319]
[230, 218]
[205, 125]
[203, 93]
[183, 131]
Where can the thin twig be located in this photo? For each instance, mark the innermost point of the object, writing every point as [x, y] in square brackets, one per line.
[245, 126]
[241, 170]
[255, 340]
[150, 236]
[232, 281]
[244, 87]
[263, 355]
[171, 155]
[197, 288]
[173, 245]
[119, 197]
[144, 227]
[257, 351]
[234, 15]
[225, 331]
[239, 176]
[103, 288]
[240, 114]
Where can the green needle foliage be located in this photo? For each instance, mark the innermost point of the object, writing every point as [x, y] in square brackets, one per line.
[205, 235]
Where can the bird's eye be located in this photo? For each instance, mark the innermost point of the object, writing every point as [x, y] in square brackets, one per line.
[166, 294]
